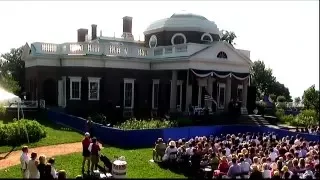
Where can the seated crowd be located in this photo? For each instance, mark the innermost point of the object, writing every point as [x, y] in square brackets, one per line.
[249, 155]
[38, 168]
[310, 130]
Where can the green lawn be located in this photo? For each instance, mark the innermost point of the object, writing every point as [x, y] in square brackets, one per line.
[138, 164]
[56, 134]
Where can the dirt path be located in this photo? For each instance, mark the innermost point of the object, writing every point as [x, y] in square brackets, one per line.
[49, 151]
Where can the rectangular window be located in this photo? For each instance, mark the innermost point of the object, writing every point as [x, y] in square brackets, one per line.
[155, 94]
[179, 95]
[128, 93]
[94, 88]
[221, 95]
[75, 88]
[239, 92]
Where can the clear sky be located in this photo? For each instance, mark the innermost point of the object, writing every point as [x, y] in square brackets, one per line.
[285, 35]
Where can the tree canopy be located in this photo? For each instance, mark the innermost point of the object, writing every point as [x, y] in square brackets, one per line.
[12, 72]
[310, 98]
[228, 36]
[266, 83]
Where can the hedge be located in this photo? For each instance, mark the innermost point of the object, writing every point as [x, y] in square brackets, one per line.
[16, 133]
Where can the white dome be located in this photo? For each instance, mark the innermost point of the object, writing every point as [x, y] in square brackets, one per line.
[183, 22]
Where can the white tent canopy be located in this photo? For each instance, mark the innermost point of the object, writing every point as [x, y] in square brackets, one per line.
[7, 98]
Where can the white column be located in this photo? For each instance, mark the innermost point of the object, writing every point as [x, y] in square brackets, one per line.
[245, 92]
[188, 93]
[209, 89]
[228, 93]
[173, 94]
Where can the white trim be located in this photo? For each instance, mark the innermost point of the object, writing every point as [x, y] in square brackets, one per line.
[94, 80]
[179, 34]
[75, 79]
[179, 106]
[154, 82]
[128, 81]
[156, 41]
[179, 83]
[199, 95]
[223, 85]
[206, 34]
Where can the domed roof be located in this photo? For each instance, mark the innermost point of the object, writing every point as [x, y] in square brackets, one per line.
[183, 22]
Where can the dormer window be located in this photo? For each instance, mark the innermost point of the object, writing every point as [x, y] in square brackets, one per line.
[206, 37]
[153, 41]
[222, 55]
[178, 38]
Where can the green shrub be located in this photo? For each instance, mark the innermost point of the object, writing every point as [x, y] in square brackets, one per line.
[145, 124]
[281, 99]
[308, 118]
[288, 119]
[99, 118]
[281, 105]
[279, 114]
[16, 133]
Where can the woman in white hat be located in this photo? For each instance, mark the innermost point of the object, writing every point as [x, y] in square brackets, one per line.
[171, 151]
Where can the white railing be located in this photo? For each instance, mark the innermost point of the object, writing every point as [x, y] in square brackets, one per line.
[114, 49]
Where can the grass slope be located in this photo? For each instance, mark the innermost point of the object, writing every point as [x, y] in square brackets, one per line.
[56, 134]
[137, 159]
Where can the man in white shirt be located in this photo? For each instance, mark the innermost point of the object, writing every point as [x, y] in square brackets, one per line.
[24, 159]
[273, 155]
[228, 151]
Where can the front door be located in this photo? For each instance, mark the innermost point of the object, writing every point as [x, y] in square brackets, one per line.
[221, 95]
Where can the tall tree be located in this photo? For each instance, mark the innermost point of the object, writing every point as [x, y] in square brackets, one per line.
[266, 83]
[310, 98]
[262, 78]
[228, 36]
[280, 90]
[297, 101]
[12, 64]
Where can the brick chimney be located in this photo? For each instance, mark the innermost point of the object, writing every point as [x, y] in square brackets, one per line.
[82, 33]
[127, 28]
[93, 31]
[127, 24]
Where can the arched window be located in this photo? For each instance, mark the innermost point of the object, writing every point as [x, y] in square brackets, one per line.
[206, 37]
[153, 41]
[222, 55]
[178, 38]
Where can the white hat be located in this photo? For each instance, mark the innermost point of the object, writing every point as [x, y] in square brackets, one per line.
[87, 134]
[172, 143]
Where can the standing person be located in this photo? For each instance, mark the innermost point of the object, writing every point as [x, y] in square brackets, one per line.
[24, 160]
[90, 126]
[32, 167]
[54, 173]
[85, 151]
[94, 149]
[41, 166]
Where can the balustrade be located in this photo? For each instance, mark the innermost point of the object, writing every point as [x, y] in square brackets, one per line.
[111, 48]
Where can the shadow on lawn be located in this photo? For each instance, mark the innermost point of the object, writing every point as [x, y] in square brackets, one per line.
[12, 149]
[177, 169]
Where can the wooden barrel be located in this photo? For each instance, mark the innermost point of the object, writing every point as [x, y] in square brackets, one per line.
[119, 169]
